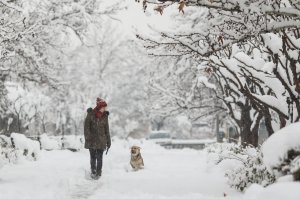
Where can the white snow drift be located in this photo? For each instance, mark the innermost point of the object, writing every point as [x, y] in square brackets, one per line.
[276, 147]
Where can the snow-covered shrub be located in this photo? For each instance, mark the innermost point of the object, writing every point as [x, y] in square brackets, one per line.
[252, 171]
[16, 148]
[218, 152]
[4, 142]
[73, 143]
[282, 151]
[26, 147]
[70, 142]
[48, 143]
[248, 167]
[4, 158]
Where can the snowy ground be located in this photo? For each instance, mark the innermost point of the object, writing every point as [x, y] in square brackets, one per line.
[168, 174]
[184, 174]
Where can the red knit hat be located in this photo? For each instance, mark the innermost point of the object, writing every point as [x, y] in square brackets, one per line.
[100, 103]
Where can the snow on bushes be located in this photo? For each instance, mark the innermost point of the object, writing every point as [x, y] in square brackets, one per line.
[70, 142]
[49, 143]
[253, 171]
[282, 151]
[218, 152]
[243, 166]
[5, 150]
[29, 148]
[17, 148]
[73, 143]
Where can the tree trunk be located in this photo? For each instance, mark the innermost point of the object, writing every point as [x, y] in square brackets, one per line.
[248, 136]
[219, 136]
[268, 122]
[282, 122]
[255, 129]
[19, 123]
[43, 124]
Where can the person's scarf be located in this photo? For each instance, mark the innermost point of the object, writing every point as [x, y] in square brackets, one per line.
[97, 112]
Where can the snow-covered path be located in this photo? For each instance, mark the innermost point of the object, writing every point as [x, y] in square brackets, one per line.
[168, 174]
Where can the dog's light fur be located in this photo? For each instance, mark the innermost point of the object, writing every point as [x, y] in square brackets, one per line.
[136, 160]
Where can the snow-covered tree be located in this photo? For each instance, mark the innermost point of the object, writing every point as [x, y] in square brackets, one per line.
[250, 47]
[175, 91]
[37, 40]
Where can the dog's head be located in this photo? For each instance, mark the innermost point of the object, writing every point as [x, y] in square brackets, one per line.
[135, 150]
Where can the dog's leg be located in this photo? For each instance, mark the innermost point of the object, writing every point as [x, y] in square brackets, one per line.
[132, 165]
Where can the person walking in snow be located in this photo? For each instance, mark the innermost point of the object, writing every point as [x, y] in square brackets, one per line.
[97, 136]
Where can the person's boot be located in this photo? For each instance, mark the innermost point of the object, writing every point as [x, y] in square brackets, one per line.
[98, 174]
[93, 173]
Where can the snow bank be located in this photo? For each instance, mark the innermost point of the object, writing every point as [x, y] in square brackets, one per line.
[286, 190]
[275, 149]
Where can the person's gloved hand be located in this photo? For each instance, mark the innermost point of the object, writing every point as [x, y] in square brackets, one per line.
[107, 147]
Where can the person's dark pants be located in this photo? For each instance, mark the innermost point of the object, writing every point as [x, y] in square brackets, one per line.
[96, 160]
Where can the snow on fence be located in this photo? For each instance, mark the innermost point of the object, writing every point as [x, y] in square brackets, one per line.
[180, 144]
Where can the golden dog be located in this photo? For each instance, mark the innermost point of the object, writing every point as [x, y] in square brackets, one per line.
[136, 160]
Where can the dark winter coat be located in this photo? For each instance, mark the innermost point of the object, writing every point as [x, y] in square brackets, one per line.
[96, 131]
